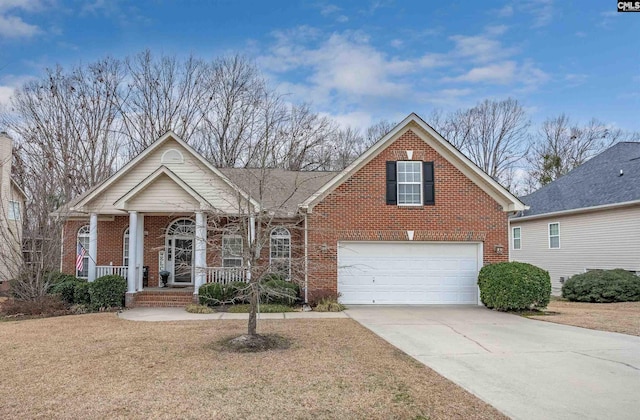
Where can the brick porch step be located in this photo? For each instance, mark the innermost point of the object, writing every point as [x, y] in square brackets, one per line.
[171, 298]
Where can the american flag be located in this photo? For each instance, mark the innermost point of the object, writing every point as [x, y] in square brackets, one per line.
[80, 257]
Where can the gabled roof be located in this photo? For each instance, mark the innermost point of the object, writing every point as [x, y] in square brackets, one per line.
[279, 190]
[95, 191]
[161, 171]
[596, 183]
[508, 201]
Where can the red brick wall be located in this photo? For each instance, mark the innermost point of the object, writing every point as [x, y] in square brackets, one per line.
[357, 210]
[111, 234]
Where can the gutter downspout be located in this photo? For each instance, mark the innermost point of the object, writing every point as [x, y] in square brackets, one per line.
[306, 261]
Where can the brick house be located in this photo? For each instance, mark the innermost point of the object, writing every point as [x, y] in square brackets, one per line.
[412, 220]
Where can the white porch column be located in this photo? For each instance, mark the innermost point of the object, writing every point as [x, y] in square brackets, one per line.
[133, 250]
[93, 246]
[140, 250]
[201, 251]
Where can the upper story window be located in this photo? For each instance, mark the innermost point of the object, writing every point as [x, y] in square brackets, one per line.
[517, 238]
[232, 251]
[14, 210]
[554, 235]
[82, 253]
[410, 183]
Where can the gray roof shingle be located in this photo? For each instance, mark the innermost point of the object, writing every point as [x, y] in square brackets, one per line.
[596, 182]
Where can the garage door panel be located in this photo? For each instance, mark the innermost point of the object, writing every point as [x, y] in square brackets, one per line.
[407, 273]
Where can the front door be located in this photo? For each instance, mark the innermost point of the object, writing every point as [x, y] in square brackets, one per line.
[182, 250]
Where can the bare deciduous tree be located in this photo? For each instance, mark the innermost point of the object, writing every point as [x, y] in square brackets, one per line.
[561, 146]
[493, 134]
[161, 95]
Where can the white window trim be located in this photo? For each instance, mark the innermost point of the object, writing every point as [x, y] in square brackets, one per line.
[513, 237]
[12, 215]
[280, 236]
[125, 248]
[233, 257]
[421, 183]
[549, 235]
[85, 262]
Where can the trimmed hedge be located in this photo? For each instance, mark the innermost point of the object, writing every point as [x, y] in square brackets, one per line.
[107, 292]
[212, 294]
[82, 294]
[280, 291]
[67, 289]
[603, 286]
[514, 286]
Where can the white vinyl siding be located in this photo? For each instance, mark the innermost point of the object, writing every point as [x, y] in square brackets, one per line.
[192, 172]
[517, 238]
[605, 239]
[409, 183]
[554, 235]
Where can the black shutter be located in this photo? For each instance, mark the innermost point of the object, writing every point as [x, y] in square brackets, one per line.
[428, 181]
[392, 183]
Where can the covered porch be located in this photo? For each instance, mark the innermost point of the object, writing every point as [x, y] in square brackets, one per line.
[154, 244]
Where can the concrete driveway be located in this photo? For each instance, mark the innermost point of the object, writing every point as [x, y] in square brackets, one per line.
[525, 368]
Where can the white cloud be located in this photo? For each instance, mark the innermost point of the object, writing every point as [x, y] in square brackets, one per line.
[345, 62]
[525, 75]
[506, 11]
[6, 92]
[396, 43]
[500, 73]
[480, 48]
[342, 19]
[575, 79]
[496, 30]
[12, 26]
[15, 27]
[358, 120]
[542, 11]
[328, 9]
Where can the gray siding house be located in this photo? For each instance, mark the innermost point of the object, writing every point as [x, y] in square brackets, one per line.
[587, 219]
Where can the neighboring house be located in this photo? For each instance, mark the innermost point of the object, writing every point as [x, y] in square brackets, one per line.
[587, 219]
[12, 200]
[412, 220]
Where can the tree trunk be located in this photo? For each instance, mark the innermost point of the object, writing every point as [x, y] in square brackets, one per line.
[253, 310]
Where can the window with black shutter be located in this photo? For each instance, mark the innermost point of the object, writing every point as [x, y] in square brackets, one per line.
[428, 181]
[392, 183]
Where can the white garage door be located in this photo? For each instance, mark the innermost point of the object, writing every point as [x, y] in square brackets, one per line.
[408, 272]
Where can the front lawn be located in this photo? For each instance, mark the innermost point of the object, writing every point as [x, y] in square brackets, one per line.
[99, 366]
[621, 317]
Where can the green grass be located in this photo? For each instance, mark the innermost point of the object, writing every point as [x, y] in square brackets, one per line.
[266, 308]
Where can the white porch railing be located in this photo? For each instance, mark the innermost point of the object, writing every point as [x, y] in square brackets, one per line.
[111, 270]
[226, 275]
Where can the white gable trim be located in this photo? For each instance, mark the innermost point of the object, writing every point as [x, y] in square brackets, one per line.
[508, 201]
[121, 203]
[146, 152]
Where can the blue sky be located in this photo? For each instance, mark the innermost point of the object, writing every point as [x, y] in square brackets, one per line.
[361, 61]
